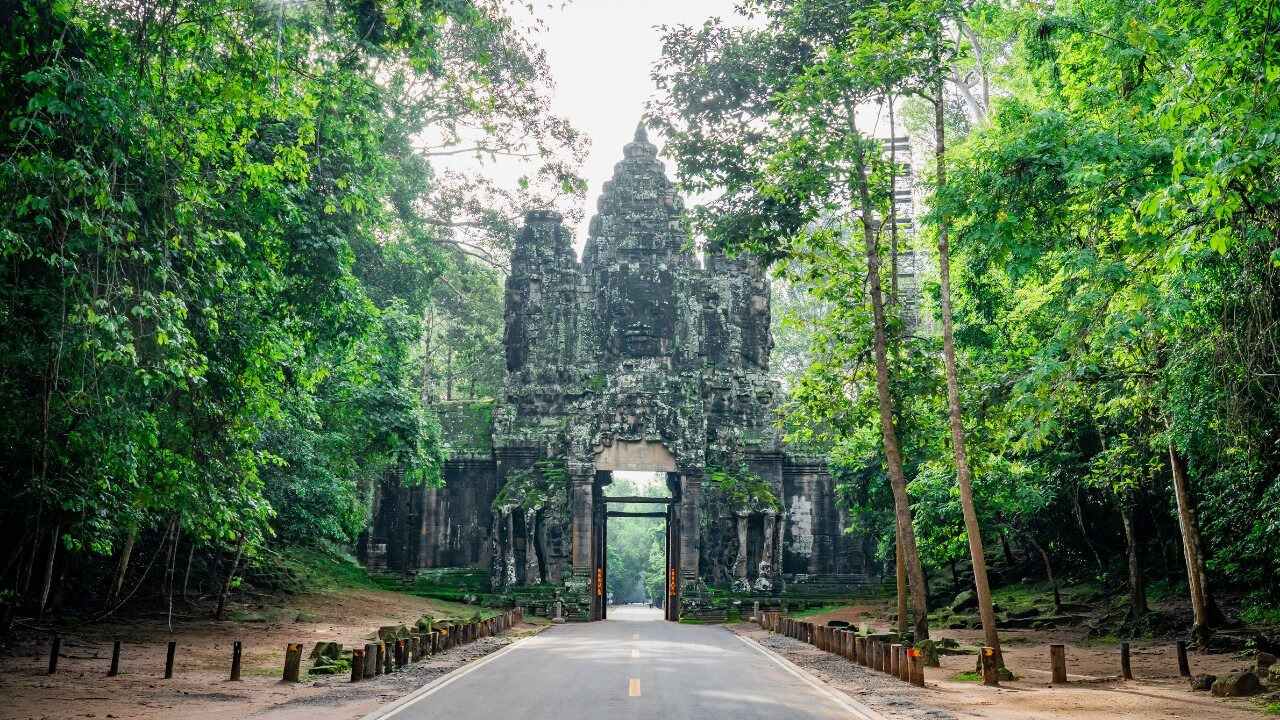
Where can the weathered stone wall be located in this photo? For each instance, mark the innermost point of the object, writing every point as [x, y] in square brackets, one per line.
[638, 355]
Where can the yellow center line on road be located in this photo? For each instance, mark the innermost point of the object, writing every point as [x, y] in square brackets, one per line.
[633, 688]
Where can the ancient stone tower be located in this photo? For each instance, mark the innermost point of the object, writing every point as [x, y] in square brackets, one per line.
[636, 357]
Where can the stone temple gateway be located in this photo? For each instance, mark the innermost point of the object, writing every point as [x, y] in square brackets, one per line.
[636, 357]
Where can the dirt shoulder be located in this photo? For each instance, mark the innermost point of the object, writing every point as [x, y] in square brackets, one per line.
[1094, 689]
[200, 689]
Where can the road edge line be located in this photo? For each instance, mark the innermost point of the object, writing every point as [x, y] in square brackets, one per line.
[860, 711]
[394, 707]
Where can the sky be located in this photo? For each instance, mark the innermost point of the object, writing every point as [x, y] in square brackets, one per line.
[601, 52]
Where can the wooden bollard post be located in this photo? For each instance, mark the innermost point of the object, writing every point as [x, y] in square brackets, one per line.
[293, 662]
[370, 660]
[859, 650]
[915, 667]
[1058, 663]
[168, 659]
[55, 647]
[904, 669]
[892, 668]
[987, 658]
[1126, 670]
[115, 659]
[400, 654]
[379, 657]
[882, 648]
[1184, 666]
[357, 664]
[237, 649]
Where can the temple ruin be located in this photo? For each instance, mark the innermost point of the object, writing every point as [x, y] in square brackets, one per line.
[635, 357]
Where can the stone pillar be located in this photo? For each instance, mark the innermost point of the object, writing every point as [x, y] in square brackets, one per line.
[497, 572]
[690, 497]
[768, 563]
[509, 549]
[532, 573]
[581, 478]
[740, 560]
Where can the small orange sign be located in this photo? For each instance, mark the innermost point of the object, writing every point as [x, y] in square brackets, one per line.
[600, 582]
[671, 582]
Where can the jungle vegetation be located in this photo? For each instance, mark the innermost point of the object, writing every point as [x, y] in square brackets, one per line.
[1092, 386]
[237, 271]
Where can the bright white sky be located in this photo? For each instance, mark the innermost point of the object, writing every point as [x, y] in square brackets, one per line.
[601, 52]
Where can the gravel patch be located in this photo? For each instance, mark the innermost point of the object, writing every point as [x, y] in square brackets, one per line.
[387, 688]
[884, 694]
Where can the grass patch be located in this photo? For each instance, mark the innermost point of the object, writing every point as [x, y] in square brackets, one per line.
[1256, 610]
[309, 570]
[271, 615]
[1100, 640]
[968, 676]
[443, 584]
[1272, 709]
[810, 612]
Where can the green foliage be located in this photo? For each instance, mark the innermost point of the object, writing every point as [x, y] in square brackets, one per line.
[533, 488]
[743, 488]
[637, 546]
[1113, 213]
[225, 250]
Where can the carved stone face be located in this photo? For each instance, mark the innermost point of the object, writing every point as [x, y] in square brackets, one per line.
[638, 312]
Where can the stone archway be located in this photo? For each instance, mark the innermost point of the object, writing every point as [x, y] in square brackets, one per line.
[644, 456]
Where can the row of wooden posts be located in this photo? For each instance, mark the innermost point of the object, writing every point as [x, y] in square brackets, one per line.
[377, 658]
[903, 662]
[906, 662]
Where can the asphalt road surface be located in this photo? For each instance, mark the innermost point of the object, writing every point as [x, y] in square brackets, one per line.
[634, 665]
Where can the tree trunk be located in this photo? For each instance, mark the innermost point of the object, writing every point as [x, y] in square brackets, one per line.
[976, 552]
[1137, 590]
[448, 374]
[171, 566]
[1084, 532]
[1009, 558]
[1048, 572]
[50, 556]
[900, 564]
[226, 584]
[122, 565]
[892, 451]
[893, 208]
[186, 575]
[1196, 583]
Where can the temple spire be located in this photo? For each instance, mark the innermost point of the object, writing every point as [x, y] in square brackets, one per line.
[642, 135]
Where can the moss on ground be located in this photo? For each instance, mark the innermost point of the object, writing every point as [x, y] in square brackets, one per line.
[299, 570]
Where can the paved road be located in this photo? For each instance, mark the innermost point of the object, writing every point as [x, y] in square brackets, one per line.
[634, 665]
